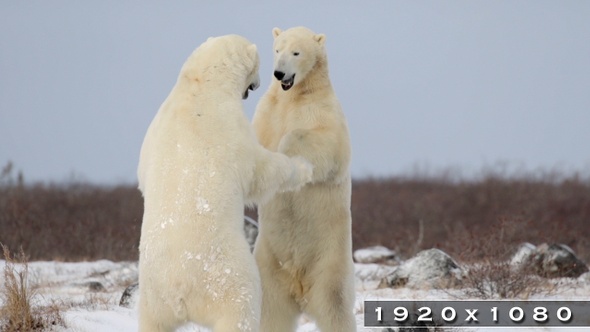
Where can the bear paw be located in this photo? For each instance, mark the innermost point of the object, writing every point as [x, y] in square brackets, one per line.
[302, 172]
[292, 142]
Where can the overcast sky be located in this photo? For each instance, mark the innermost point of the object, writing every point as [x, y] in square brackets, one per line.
[460, 84]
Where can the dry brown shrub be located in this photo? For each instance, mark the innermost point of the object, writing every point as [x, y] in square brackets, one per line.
[72, 222]
[490, 275]
[493, 280]
[17, 296]
[78, 221]
[459, 215]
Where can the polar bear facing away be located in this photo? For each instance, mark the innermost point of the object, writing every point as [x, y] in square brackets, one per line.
[304, 246]
[200, 163]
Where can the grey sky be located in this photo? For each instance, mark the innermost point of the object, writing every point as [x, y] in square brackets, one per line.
[462, 84]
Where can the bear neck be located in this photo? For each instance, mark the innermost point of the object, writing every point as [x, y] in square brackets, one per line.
[318, 79]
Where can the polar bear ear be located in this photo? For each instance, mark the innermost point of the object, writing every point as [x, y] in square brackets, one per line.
[276, 32]
[320, 38]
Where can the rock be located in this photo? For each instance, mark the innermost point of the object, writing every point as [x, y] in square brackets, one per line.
[415, 326]
[522, 254]
[130, 296]
[376, 255]
[251, 231]
[372, 272]
[549, 261]
[429, 268]
[94, 286]
[121, 273]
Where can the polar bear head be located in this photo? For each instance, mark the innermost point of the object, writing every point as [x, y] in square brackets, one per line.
[297, 51]
[228, 60]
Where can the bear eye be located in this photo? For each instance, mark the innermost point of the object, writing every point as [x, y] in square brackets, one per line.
[277, 51]
[295, 53]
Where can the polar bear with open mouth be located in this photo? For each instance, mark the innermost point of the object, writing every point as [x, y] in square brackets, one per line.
[304, 246]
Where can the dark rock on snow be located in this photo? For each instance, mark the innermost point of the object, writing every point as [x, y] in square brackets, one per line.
[251, 231]
[429, 268]
[129, 297]
[549, 260]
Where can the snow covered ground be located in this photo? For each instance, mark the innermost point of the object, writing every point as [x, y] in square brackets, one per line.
[89, 294]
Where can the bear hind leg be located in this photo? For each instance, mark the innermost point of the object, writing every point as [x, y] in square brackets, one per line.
[149, 323]
[332, 309]
[230, 324]
[239, 315]
[279, 309]
[154, 319]
[279, 313]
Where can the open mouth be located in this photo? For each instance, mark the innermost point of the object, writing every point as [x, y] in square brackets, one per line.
[287, 84]
[251, 87]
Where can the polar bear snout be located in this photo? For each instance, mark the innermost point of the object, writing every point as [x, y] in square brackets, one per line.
[254, 82]
[253, 86]
[279, 75]
[286, 83]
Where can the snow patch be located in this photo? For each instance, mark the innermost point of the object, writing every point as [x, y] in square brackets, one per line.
[202, 205]
[56, 283]
[376, 254]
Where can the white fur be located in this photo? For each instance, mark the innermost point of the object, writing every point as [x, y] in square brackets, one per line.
[304, 248]
[200, 164]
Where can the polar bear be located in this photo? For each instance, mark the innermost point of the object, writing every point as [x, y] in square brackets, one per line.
[200, 163]
[304, 248]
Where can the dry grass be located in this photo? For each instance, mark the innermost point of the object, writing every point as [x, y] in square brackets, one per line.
[459, 216]
[72, 222]
[498, 279]
[492, 276]
[76, 221]
[17, 297]
[17, 311]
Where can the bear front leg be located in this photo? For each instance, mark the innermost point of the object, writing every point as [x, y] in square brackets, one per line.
[275, 172]
[328, 154]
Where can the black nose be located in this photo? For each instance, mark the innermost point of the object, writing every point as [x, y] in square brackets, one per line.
[279, 75]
